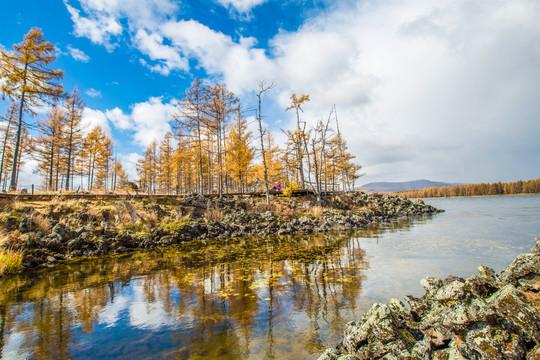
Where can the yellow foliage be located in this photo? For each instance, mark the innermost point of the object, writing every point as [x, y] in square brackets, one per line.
[289, 189]
[10, 261]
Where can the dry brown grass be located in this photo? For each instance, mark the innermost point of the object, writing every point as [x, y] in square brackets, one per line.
[262, 207]
[534, 298]
[213, 214]
[316, 211]
[148, 216]
[281, 209]
[40, 222]
[10, 261]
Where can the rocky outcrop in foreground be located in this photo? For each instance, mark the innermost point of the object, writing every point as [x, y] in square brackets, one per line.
[487, 316]
[90, 229]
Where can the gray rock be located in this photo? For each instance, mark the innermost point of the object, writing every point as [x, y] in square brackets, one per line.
[329, 354]
[530, 282]
[431, 285]
[441, 354]
[522, 266]
[525, 318]
[347, 357]
[25, 225]
[452, 291]
[438, 334]
[486, 272]
[495, 343]
[481, 286]
[421, 350]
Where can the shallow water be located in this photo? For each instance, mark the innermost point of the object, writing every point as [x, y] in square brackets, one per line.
[284, 297]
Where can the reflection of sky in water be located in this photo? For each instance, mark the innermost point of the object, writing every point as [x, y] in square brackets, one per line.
[491, 231]
[254, 308]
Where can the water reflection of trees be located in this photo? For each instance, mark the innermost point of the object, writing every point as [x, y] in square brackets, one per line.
[255, 298]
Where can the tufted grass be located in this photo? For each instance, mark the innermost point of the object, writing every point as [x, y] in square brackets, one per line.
[10, 261]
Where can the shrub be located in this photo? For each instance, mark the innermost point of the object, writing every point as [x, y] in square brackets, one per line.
[176, 226]
[10, 261]
[289, 189]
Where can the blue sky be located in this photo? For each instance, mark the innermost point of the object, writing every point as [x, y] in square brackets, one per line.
[444, 90]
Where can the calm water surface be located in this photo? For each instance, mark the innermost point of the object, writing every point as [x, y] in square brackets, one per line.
[283, 297]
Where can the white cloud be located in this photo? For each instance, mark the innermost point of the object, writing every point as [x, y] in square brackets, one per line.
[242, 6]
[152, 45]
[119, 119]
[129, 162]
[93, 92]
[424, 89]
[78, 54]
[417, 83]
[92, 118]
[101, 23]
[28, 177]
[147, 121]
[241, 65]
[99, 28]
[151, 120]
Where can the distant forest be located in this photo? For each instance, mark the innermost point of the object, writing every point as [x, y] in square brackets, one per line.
[483, 189]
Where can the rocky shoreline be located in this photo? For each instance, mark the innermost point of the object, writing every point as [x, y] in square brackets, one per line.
[50, 233]
[487, 316]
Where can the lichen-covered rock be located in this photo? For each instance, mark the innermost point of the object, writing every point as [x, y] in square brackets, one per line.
[522, 266]
[452, 291]
[329, 354]
[495, 343]
[524, 317]
[431, 285]
[347, 357]
[422, 350]
[486, 316]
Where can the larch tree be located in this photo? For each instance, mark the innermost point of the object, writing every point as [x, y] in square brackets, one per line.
[239, 151]
[299, 135]
[218, 108]
[74, 108]
[275, 169]
[120, 180]
[10, 120]
[28, 80]
[97, 150]
[166, 154]
[48, 145]
[191, 119]
[103, 164]
[146, 168]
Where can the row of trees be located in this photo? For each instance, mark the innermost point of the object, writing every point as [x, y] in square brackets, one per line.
[498, 188]
[209, 150]
[212, 149]
[62, 148]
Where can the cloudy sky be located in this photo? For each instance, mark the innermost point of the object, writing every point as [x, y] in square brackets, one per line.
[445, 90]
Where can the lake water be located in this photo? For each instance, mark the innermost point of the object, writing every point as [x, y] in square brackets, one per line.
[285, 297]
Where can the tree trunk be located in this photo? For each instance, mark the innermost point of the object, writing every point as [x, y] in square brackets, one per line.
[4, 150]
[13, 185]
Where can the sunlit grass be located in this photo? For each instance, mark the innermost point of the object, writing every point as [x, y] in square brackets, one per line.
[10, 261]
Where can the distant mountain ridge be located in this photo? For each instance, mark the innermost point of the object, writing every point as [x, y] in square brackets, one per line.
[384, 187]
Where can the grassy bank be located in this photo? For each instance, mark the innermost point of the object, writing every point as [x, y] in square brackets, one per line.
[45, 232]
